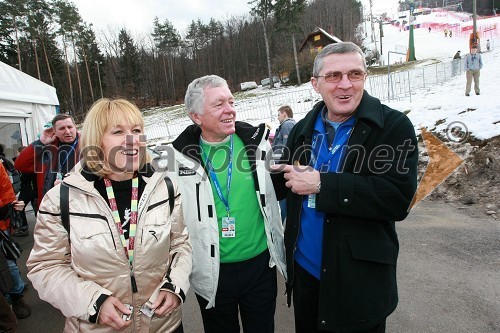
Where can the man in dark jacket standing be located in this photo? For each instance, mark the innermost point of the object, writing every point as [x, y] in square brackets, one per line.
[352, 172]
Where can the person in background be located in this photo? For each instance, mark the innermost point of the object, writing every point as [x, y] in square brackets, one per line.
[285, 117]
[473, 65]
[127, 244]
[13, 174]
[8, 202]
[488, 45]
[455, 63]
[232, 213]
[53, 155]
[350, 172]
[28, 194]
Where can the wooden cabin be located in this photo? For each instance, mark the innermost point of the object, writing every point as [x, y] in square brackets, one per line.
[316, 40]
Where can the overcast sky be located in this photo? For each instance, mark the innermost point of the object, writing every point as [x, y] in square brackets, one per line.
[380, 6]
[137, 15]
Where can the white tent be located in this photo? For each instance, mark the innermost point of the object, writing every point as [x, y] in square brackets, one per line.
[26, 105]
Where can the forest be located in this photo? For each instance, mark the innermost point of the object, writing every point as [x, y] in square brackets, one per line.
[48, 40]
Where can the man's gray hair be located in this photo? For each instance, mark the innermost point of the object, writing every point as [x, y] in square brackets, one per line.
[344, 47]
[195, 93]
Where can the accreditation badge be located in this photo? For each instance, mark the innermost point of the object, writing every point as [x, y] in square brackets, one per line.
[311, 201]
[228, 227]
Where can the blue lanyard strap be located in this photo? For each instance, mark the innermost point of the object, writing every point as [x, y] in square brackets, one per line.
[331, 153]
[213, 175]
[73, 145]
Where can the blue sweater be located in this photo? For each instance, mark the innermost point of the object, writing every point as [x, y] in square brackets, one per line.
[310, 240]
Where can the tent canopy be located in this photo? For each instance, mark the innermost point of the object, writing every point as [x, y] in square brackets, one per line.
[26, 105]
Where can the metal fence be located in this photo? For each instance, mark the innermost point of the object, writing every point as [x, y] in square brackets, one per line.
[249, 110]
[266, 106]
[393, 86]
[398, 85]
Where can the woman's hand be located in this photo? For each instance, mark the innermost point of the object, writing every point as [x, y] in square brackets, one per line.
[18, 205]
[110, 317]
[165, 303]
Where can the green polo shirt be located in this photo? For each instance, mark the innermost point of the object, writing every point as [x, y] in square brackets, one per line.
[250, 236]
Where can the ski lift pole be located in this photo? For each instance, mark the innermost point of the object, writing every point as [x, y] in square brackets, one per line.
[411, 44]
[474, 18]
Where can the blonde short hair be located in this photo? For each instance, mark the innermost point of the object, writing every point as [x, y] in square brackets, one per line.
[104, 114]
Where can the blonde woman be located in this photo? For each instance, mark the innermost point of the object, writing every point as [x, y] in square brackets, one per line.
[125, 263]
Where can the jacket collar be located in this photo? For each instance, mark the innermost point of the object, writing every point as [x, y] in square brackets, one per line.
[287, 119]
[84, 178]
[146, 171]
[188, 142]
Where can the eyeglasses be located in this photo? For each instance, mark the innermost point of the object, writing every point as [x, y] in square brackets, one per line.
[336, 77]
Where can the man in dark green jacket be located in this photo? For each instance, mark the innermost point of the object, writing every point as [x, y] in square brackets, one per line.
[352, 172]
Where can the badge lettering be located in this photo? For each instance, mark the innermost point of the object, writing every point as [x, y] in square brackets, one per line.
[183, 171]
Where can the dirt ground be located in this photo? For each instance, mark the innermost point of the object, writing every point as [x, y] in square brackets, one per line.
[476, 183]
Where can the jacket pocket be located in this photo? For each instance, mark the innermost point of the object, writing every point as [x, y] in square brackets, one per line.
[91, 234]
[374, 250]
[368, 287]
[93, 228]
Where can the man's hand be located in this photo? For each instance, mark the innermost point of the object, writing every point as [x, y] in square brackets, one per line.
[48, 136]
[18, 205]
[110, 317]
[302, 180]
[165, 303]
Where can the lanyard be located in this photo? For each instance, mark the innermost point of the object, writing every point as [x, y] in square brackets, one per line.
[331, 153]
[129, 252]
[213, 175]
[67, 155]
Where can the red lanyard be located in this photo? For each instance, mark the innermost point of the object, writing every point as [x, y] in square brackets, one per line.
[129, 251]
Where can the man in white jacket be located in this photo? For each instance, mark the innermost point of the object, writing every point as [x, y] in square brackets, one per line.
[230, 210]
